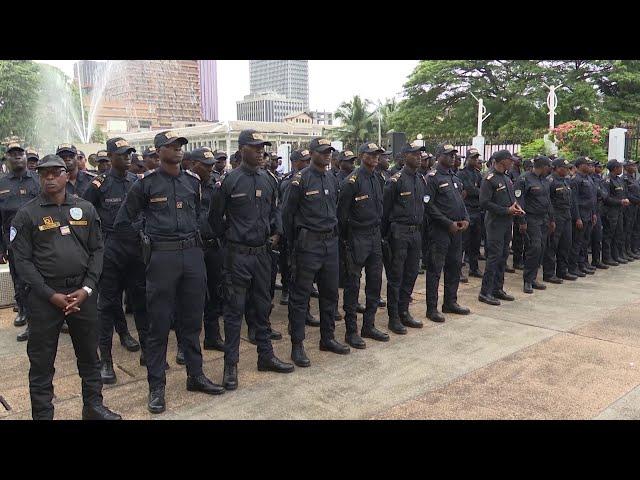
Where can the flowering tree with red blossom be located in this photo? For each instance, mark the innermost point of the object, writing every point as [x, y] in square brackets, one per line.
[577, 138]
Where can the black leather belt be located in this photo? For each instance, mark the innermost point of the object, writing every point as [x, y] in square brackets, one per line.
[322, 235]
[210, 243]
[177, 245]
[408, 228]
[366, 230]
[64, 282]
[239, 247]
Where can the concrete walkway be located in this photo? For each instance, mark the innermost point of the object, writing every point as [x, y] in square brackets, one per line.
[570, 352]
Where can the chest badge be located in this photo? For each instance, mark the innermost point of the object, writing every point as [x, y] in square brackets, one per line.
[178, 204]
[326, 191]
[12, 233]
[65, 230]
[258, 193]
[426, 198]
[518, 193]
[23, 191]
[76, 213]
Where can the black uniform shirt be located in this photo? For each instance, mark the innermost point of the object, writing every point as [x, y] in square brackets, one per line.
[311, 202]
[471, 179]
[444, 201]
[404, 197]
[83, 180]
[360, 201]
[532, 193]
[614, 191]
[170, 205]
[561, 197]
[57, 242]
[633, 189]
[107, 193]
[598, 181]
[243, 209]
[585, 195]
[15, 191]
[207, 190]
[496, 193]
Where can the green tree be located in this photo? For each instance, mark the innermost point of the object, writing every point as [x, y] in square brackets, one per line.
[357, 122]
[19, 83]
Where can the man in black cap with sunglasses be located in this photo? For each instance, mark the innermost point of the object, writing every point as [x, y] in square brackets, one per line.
[79, 180]
[169, 199]
[122, 269]
[448, 219]
[57, 243]
[471, 180]
[17, 188]
[244, 214]
[311, 224]
[403, 215]
[359, 216]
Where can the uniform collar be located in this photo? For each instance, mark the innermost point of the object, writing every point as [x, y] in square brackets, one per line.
[444, 171]
[364, 171]
[26, 173]
[112, 173]
[68, 200]
[248, 170]
[316, 172]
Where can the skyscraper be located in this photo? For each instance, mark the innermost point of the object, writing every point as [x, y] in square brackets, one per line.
[209, 89]
[289, 78]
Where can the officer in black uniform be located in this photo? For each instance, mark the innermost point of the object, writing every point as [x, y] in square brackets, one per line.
[517, 245]
[448, 219]
[219, 166]
[32, 159]
[383, 167]
[398, 163]
[17, 187]
[58, 249]
[497, 199]
[79, 180]
[596, 232]
[202, 163]
[359, 217]
[615, 199]
[311, 225]
[346, 161]
[103, 161]
[137, 166]
[244, 213]
[631, 212]
[151, 159]
[471, 179]
[403, 214]
[555, 266]
[585, 194]
[169, 198]
[533, 194]
[423, 170]
[123, 269]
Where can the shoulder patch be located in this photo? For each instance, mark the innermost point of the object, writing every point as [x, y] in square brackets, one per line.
[148, 173]
[353, 178]
[99, 180]
[432, 173]
[396, 176]
[490, 176]
[195, 175]
[89, 174]
[297, 178]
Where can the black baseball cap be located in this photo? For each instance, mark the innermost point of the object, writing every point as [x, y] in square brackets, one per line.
[101, 156]
[611, 164]
[369, 148]
[413, 147]
[218, 154]
[630, 162]
[560, 162]
[119, 145]
[581, 160]
[302, 154]
[137, 159]
[51, 161]
[31, 153]
[149, 151]
[274, 156]
[349, 156]
[186, 156]
[321, 145]
[203, 155]
[386, 153]
[14, 146]
[445, 148]
[66, 147]
[80, 152]
[502, 155]
[472, 152]
[252, 137]
[163, 139]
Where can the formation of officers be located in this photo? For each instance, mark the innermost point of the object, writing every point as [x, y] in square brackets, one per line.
[188, 242]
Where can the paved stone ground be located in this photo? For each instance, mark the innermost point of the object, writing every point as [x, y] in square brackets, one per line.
[570, 352]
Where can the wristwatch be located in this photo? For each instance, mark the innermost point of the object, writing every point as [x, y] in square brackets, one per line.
[88, 290]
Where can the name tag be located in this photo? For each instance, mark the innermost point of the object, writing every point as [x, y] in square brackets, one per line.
[619, 188]
[237, 195]
[116, 200]
[258, 193]
[535, 188]
[402, 194]
[158, 199]
[363, 197]
[81, 223]
[65, 230]
[500, 188]
[559, 188]
[442, 185]
[4, 191]
[312, 192]
[48, 226]
[23, 192]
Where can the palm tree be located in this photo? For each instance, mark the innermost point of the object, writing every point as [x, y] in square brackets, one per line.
[357, 122]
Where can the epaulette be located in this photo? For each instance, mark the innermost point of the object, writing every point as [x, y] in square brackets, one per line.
[195, 175]
[149, 172]
[432, 173]
[99, 180]
[396, 176]
[352, 178]
[490, 176]
[296, 179]
[271, 173]
[92, 175]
